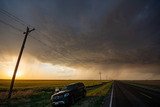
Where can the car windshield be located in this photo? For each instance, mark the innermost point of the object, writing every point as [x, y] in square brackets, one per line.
[69, 87]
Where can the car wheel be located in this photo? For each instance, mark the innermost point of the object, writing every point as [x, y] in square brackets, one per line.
[84, 94]
[72, 100]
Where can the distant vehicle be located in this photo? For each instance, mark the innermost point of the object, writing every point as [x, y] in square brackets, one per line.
[69, 94]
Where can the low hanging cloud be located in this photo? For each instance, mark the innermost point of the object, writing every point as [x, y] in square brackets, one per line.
[101, 35]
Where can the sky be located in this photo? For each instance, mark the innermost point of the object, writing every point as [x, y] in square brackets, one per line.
[77, 39]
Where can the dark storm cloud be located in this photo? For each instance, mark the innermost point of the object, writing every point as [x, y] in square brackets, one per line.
[91, 32]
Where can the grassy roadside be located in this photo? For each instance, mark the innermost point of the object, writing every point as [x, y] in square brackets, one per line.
[95, 97]
[35, 93]
[26, 88]
[34, 99]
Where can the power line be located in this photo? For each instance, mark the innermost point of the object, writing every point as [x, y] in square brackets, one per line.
[21, 22]
[11, 26]
[30, 36]
[47, 46]
[14, 17]
[55, 50]
[40, 33]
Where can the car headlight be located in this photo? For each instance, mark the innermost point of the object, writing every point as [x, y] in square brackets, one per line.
[67, 94]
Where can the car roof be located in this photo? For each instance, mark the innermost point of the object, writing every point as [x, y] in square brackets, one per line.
[76, 83]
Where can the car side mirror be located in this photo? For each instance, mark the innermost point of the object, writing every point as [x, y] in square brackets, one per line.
[57, 89]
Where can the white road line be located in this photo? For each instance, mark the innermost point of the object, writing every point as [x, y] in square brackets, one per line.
[110, 104]
[146, 95]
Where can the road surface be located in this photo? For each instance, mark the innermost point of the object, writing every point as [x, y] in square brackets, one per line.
[126, 95]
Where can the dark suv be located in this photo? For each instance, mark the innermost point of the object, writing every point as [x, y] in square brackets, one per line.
[69, 94]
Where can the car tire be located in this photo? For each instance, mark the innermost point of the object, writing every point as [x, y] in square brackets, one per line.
[72, 100]
[84, 94]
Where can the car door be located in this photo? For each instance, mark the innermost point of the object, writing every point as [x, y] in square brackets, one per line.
[76, 91]
[80, 89]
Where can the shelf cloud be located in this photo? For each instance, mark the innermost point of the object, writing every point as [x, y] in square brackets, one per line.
[119, 37]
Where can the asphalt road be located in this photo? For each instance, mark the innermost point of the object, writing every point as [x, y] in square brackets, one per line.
[126, 95]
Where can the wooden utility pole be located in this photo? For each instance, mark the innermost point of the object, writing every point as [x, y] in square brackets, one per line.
[100, 75]
[18, 61]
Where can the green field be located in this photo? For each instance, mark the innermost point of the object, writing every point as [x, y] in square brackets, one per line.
[30, 84]
[38, 92]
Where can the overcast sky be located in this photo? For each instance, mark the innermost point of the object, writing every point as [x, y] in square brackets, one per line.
[120, 38]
